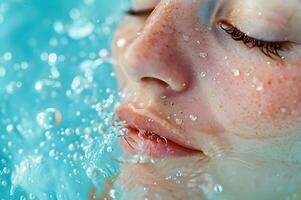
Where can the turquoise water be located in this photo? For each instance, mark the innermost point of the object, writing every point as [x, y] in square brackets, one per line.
[57, 131]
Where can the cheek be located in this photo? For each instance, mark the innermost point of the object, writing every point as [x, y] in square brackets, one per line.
[264, 101]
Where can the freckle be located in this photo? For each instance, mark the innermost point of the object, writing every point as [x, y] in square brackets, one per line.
[269, 82]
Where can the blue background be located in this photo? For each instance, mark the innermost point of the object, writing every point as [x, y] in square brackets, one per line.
[56, 54]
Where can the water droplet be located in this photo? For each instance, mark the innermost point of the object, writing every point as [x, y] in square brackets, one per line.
[121, 42]
[203, 74]
[179, 174]
[110, 149]
[203, 54]
[235, 72]
[193, 117]
[49, 118]
[257, 84]
[179, 121]
[259, 87]
[218, 188]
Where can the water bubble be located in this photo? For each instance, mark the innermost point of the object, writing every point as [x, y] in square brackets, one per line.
[3, 183]
[9, 128]
[20, 151]
[81, 29]
[80, 83]
[49, 118]
[74, 13]
[7, 56]
[235, 72]
[22, 197]
[58, 27]
[38, 86]
[52, 58]
[103, 53]
[52, 153]
[218, 188]
[6, 170]
[193, 117]
[71, 147]
[44, 56]
[110, 149]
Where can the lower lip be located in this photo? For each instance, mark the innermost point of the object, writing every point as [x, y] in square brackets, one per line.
[154, 146]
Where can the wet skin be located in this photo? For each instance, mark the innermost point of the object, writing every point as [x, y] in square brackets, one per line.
[240, 107]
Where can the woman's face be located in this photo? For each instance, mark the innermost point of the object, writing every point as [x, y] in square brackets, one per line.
[223, 78]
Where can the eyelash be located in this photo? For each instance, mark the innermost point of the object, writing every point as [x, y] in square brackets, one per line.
[270, 49]
[139, 13]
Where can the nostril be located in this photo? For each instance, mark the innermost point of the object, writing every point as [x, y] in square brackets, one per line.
[150, 80]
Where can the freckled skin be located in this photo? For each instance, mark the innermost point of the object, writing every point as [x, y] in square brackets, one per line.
[253, 116]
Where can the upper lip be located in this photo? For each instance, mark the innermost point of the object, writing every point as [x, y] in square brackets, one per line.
[142, 119]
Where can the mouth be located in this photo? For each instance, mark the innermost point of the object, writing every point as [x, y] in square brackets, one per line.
[151, 136]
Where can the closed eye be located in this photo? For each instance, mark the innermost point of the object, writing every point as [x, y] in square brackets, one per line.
[271, 49]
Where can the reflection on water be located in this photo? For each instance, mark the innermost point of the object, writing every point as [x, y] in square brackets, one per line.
[58, 134]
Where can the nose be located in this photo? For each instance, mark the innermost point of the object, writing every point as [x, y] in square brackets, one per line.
[155, 55]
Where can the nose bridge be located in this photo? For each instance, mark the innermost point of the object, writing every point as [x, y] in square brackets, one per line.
[155, 53]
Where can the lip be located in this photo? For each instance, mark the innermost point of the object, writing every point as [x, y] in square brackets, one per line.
[152, 136]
